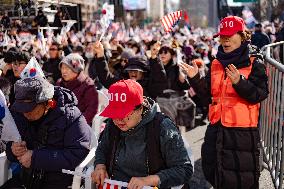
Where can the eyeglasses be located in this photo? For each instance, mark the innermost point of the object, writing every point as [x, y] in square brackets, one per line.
[163, 52]
[17, 64]
[124, 60]
[53, 49]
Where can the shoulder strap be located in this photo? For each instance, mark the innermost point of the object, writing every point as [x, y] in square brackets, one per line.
[154, 159]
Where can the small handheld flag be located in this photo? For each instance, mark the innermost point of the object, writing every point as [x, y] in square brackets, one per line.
[2, 111]
[9, 131]
[107, 16]
[32, 69]
[170, 20]
[113, 184]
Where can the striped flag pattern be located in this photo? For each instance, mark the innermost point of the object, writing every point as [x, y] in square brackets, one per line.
[113, 184]
[169, 21]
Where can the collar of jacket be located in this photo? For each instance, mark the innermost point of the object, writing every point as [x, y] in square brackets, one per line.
[240, 57]
[64, 98]
[171, 63]
[76, 82]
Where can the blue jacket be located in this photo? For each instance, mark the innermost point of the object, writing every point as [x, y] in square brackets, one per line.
[68, 139]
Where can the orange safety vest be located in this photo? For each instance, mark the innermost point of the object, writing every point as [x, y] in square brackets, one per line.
[227, 105]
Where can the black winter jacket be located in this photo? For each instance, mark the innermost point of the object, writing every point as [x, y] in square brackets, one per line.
[51, 70]
[173, 82]
[230, 155]
[260, 39]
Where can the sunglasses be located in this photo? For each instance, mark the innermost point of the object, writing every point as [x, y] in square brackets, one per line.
[17, 64]
[164, 50]
[53, 49]
[124, 60]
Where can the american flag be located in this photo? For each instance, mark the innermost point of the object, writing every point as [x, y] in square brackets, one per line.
[113, 184]
[169, 21]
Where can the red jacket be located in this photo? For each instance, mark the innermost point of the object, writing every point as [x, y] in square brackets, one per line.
[227, 105]
[85, 90]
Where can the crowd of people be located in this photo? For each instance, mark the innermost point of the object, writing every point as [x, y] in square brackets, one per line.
[185, 73]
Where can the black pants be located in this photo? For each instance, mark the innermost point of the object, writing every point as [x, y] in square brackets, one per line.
[13, 183]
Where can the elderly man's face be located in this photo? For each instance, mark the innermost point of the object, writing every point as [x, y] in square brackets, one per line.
[39, 111]
[130, 121]
[18, 67]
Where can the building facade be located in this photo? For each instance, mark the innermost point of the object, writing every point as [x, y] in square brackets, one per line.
[88, 7]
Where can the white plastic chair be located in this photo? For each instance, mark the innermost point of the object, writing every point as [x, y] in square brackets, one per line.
[98, 120]
[103, 100]
[86, 163]
[4, 171]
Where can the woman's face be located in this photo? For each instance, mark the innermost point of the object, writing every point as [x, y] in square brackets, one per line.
[135, 75]
[230, 43]
[18, 67]
[165, 56]
[53, 51]
[67, 73]
[135, 49]
[130, 121]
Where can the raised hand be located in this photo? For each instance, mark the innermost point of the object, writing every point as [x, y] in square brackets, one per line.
[233, 73]
[99, 49]
[191, 71]
[155, 50]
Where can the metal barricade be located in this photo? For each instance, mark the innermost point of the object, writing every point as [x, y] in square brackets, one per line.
[272, 114]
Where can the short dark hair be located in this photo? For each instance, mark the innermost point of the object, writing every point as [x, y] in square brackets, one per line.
[59, 47]
[133, 43]
[259, 25]
[24, 56]
[11, 55]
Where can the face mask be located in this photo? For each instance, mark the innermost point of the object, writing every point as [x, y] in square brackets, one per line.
[89, 55]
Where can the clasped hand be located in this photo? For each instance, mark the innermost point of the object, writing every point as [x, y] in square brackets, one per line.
[24, 156]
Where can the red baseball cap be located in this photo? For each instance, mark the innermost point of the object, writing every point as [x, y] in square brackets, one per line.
[124, 96]
[230, 25]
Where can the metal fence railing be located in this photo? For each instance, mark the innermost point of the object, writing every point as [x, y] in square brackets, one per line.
[272, 114]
